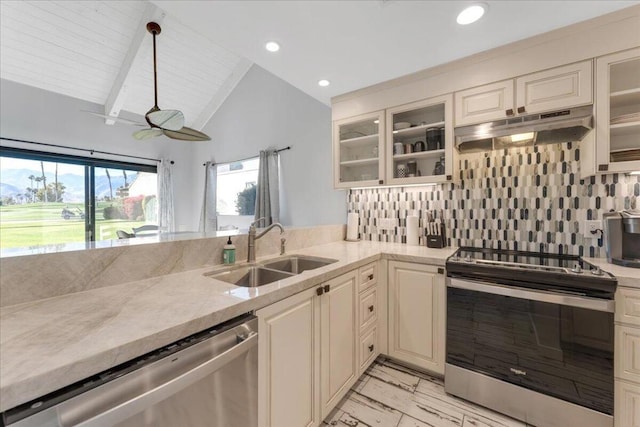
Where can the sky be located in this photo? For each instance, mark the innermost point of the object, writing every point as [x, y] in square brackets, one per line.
[49, 167]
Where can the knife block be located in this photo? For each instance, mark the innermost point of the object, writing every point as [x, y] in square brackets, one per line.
[437, 241]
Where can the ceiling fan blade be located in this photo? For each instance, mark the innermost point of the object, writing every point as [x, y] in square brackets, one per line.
[116, 119]
[187, 134]
[166, 119]
[147, 133]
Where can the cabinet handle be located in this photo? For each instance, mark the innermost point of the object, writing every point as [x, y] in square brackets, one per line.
[327, 288]
[603, 168]
[370, 277]
[509, 112]
[521, 110]
[371, 348]
[381, 181]
[440, 270]
[319, 291]
[371, 308]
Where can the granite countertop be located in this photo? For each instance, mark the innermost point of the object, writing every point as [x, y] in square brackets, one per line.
[628, 277]
[51, 343]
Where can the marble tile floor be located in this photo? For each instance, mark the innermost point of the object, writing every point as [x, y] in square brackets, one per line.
[392, 395]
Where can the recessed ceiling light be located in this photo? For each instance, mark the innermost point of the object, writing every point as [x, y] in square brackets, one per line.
[471, 14]
[324, 82]
[272, 46]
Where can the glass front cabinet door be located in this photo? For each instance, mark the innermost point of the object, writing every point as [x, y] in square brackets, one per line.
[358, 151]
[618, 112]
[419, 143]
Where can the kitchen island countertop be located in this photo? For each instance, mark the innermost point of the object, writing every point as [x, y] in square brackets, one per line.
[52, 343]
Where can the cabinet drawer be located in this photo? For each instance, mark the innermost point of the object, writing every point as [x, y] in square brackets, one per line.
[627, 361]
[368, 348]
[368, 275]
[628, 306]
[627, 405]
[368, 308]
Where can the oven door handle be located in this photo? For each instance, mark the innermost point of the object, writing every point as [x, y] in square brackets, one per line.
[542, 296]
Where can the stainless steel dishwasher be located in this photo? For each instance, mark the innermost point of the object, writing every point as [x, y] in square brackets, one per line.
[208, 379]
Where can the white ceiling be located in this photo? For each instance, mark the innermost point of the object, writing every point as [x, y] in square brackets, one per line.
[355, 44]
[78, 48]
[99, 51]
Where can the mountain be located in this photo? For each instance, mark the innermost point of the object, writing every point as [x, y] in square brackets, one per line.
[16, 181]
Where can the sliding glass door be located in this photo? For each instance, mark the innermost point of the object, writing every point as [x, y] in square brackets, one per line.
[48, 199]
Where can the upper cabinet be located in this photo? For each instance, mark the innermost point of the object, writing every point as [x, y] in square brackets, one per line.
[618, 112]
[553, 89]
[410, 144]
[419, 143]
[357, 151]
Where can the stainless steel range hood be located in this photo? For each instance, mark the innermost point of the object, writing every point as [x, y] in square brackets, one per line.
[535, 129]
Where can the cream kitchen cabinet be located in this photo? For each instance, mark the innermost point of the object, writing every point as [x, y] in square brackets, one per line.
[627, 358]
[617, 142]
[417, 315]
[288, 362]
[557, 88]
[339, 339]
[358, 151]
[308, 353]
[419, 143]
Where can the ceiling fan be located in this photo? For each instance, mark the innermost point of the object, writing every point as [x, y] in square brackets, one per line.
[161, 122]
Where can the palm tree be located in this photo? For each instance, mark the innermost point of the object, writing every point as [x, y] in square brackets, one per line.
[30, 189]
[110, 187]
[44, 181]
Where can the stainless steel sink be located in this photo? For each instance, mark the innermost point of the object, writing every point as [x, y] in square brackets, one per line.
[249, 276]
[268, 271]
[298, 263]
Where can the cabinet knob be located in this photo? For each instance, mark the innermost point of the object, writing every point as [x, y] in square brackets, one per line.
[370, 277]
[440, 270]
[371, 308]
[371, 348]
[319, 291]
[381, 181]
[521, 110]
[509, 112]
[327, 288]
[603, 168]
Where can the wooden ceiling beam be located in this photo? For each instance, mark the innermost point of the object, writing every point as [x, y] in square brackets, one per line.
[118, 94]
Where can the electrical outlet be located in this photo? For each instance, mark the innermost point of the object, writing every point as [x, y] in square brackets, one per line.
[387, 223]
[593, 229]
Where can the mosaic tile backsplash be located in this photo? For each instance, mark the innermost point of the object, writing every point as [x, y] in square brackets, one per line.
[528, 198]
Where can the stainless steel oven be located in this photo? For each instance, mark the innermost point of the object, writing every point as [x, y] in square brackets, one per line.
[529, 344]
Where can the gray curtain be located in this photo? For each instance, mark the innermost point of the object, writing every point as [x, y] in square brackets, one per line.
[166, 221]
[267, 191]
[209, 216]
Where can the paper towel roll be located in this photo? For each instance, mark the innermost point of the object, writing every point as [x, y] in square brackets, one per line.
[412, 230]
[352, 226]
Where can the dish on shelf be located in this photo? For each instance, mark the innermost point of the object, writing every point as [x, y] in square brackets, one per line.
[401, 125]
[625, 155]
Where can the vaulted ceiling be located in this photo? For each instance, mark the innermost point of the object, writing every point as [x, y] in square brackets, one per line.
[100, 51]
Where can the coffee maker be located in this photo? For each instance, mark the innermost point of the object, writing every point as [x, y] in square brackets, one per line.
[622, 238]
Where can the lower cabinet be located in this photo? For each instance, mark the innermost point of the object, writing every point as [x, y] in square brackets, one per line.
[338, 339]
[626, 411]
[417, 310]
[308, 353]
[288, 362]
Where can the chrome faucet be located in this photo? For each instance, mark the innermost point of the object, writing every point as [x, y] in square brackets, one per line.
[251, 252]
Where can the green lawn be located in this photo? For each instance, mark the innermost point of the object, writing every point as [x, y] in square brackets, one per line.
[42, 223]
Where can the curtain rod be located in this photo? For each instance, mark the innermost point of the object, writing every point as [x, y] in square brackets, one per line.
[88, 150]
[248, 158]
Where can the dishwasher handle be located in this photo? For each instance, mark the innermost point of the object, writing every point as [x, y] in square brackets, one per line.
[139, 403]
